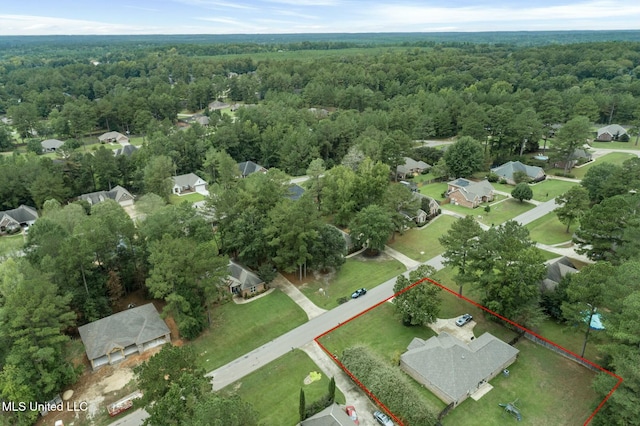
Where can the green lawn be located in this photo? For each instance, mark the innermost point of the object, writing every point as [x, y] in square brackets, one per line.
[358, 271]
[572, 338]
[550, 189]
[502, 212]
[549, 230]
[434, 190]
[614, 157]
[617, 145]
[238, 329]
[192, 198]
[10, 244]
[422, 244]
[274, 390]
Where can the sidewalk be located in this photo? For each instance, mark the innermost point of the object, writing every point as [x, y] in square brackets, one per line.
[565, 251]
[352, 393]
[296, 295]
[405, 260]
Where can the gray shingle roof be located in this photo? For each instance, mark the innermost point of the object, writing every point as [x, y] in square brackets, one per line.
[126, 150]
[612, 129]
[21, 215]
[295, 192]
[556, 270]
[188, 180]
[333, 415]
[508, 169]
[456, 367]
[473, 190]
[243, 277]
[135, 326]
[112, 136]
[118, 194]
[51, 144]
[249, 167]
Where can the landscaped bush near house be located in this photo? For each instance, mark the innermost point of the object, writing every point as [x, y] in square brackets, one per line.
[492, 177]
[389, 384]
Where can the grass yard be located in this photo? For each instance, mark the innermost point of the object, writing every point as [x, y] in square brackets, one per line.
[274, 390]
[572, 338]
[238, 329]
[502, 212]
[434, 190]
[422, 244]
[550, 390]
[615, 157]
[550, 188]
[191, 198]
[617, 145]
[11, 244]
[358, 271]
[549, 230]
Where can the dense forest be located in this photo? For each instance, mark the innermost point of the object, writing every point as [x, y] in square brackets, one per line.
[343, 110]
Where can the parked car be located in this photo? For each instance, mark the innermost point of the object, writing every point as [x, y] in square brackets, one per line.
[351, 412]
[359, 292]
[463, 320]
[382, 418]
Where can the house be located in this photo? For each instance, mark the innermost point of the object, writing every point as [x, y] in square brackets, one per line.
[113, 137]
[215, 105]
[51, 145]
[468, 193]
[556, 270]
[249, 167]
[242, 282]
[579, 155]
[188, 184]
[508, 170]
[428, 205]
[420, 217]
[11, 220]
[453, 369]
[411, 167]
[612, 132]
[295, 192]
[333, 415]
[348, 242]
[117, 336]
[118, 194]
[127, 150]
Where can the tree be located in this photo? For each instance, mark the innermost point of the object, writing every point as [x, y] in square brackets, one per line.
[573, 204]
[421, 304]
[315, 171]
[328, 250]
[371, 228]
[459, 242]
[6, 140]
[596, 177]
[157, 176]
[464, 157]
[522, 192]
[507, 269]
[302, 407]
[338, 194]
[332, 390]
[571, 136]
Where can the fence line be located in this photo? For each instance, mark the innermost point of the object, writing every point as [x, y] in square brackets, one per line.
[560, 351]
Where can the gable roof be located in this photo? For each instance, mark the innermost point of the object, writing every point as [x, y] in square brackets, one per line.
[456, 367]
[556, 270]
[295, 191]
[134, 326]
[19, 216]
[242, 276]
[508, 169]
[51, 144]
[472, 190]
[333, 415]
[612, 129]
[217, 105]
[118, 194]
[190, 179]
[126, 150]
[249, 167]
[117, 136]
[411, 164]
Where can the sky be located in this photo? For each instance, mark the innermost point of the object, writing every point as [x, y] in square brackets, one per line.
[74, 17]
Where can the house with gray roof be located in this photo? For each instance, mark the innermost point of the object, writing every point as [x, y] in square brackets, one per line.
[411, 167]
[295, 192]
[112, 339]
[556, 270]
[249, 167]
[468, 193]
[333, 415]
[216, 105]
[453, 369]
[118, 194]
[113, 137]
[612, 132]
[243, 282]
[188, 184]
[508, 170]
[51, 145]
[127, 150]
[11, 220]
[579, 155]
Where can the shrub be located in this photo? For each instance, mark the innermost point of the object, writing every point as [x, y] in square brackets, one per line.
[503, 181]
[342, 300]
[492, 177]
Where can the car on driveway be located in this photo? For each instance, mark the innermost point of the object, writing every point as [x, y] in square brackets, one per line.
[359, 292]
[351, 412]
[382, 418]
[463, 320]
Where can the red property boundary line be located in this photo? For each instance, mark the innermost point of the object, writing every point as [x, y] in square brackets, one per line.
[518, 326]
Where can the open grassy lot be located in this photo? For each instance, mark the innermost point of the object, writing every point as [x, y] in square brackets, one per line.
[358, 271]
[191, 198]
[422, 244]
[274, 390]
[10, 244]
[550, 189]
[617, 145]
[238, 329]
[614, 157]
[549, 230]
[550, 390]
[502, 212]
[434, 190]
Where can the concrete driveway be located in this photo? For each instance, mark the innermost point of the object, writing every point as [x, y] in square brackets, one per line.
[448, 325]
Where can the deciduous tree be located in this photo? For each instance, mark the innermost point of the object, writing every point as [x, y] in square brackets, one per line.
[573, 205]
[419, 305]
[522, 192]
[461, 239]
[464, 157]
[371, 228]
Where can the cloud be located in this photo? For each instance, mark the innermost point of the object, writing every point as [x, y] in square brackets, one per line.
[30, 24]
[146, 9]
[216, 4]
[306, 3]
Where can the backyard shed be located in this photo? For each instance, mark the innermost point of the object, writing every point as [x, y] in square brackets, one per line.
[117, 336]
